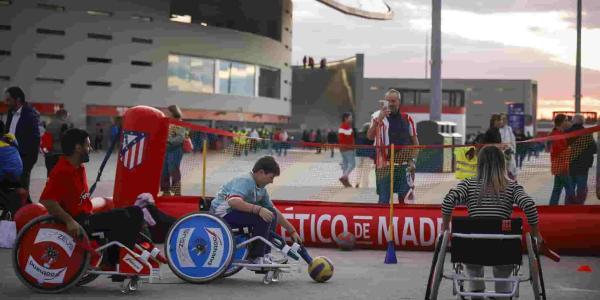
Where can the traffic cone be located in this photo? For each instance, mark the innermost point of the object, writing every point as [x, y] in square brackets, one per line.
[390, 254]
[584, 268]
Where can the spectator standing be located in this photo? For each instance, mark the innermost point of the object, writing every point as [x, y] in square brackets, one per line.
[560, 156]
[390, 126]
[171, 174]
[508, 139]
[311, 62]
[346, 141]
[99, 138]
[332, 139]
[304, 61]
[254, 136]
[319, 140]
[23, 122]
[583, 149]
[366, 152]
[59, 124]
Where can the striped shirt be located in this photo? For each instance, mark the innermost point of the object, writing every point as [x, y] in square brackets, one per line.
[501, 207]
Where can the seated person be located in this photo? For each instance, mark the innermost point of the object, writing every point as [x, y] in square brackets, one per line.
[490, 194]
[11, 167]
[244, 202]
[66, 196]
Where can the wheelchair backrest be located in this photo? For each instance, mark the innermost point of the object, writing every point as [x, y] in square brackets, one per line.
[486, 241]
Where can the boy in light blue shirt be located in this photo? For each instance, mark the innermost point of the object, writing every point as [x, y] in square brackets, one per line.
[244, 202]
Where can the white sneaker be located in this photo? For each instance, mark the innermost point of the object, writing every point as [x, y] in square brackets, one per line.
[276, 260]
[264, 260]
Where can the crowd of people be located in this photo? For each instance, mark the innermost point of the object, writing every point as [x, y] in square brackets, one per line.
[309, 61]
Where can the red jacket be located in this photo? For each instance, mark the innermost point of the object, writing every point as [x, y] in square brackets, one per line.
[560, 155]
[346, 135]
[46, 142]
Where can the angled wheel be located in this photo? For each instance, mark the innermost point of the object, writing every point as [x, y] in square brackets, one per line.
[199, 247]
[436, 251]
[439, 267]
[534, 268]
[47, 259]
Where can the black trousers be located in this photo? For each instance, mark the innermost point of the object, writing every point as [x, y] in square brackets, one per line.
[119, 224]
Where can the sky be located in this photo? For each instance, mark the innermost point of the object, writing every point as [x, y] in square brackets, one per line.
[502, 39]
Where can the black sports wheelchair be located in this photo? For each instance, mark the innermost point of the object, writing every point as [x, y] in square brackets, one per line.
[486, 242]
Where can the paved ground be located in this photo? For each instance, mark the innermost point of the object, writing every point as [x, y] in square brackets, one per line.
[358, 275]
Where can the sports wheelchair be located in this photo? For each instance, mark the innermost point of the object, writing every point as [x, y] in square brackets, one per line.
[48, 260]
[486, 242]
[201, 247]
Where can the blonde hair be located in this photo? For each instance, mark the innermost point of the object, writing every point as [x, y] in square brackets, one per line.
[491, 172]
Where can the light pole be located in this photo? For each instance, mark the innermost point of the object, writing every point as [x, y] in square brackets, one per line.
[578, 62]
[435, 105]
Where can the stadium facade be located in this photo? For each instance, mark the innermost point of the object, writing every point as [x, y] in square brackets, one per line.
[227, 61]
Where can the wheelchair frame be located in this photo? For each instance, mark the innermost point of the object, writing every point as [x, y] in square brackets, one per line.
[458, 278]
[147, 260]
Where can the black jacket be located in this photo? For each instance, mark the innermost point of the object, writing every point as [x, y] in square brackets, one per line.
[27, 134]
[583, 149]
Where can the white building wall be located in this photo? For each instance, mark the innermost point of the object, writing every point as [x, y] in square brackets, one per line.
[167, 37]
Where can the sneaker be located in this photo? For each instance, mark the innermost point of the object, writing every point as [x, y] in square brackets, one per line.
[264, 260]
[276, 260]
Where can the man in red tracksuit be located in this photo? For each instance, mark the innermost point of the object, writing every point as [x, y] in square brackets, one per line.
[346, 141]
[560, 156]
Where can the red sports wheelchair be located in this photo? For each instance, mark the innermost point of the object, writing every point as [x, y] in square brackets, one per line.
[48, 260]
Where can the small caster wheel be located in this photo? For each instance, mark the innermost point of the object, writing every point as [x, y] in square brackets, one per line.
[268, 277]
[130, 285]
[276, 276]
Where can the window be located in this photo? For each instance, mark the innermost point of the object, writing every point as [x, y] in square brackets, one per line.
[50, 7]
[191, 74]
[141, 18]
[141, 40]
[268, 82]
[5, 27]
[141, 63]
[50, 31]
[49, 80]
[4, 53]
[140, 86]
[424, 98]
[99, 13]
[99, 60]
[98, 83]
[236, 78]
[408, 97]
[50, 56]
[4, 78]
[99, 36]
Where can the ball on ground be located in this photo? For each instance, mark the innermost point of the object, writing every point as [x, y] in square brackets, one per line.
[320, 269]
[346, 241]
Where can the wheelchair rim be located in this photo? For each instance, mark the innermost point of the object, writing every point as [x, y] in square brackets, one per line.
[533, 267]
[439, 267]
[239, 255]
[432, 268]
[46, 259]
[199, 247]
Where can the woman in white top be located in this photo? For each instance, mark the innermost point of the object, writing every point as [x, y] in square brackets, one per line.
[508, 138]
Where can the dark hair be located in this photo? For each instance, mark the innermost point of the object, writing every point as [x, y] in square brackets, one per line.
[16, 93]
[267, 164]
[559, 119]
[71, 138]
[345, 116]
[175, 111]
[1, 128]
[493, 119]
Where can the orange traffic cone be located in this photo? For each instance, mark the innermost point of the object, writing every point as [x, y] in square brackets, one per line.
[584, 268]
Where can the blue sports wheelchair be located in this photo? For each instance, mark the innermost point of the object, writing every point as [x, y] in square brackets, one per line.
[201, 247]
[485, 242]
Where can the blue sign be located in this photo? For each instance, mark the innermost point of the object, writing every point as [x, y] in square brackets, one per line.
[516, 117]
